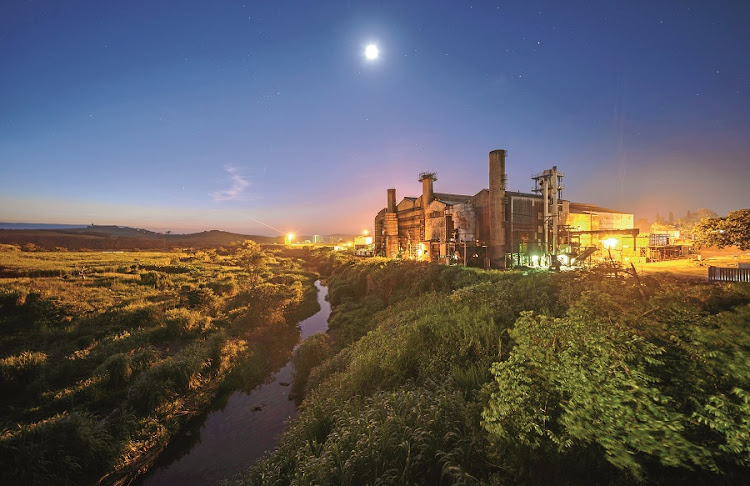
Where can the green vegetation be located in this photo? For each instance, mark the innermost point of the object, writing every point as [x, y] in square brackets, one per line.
[104, 356]
[443, 375]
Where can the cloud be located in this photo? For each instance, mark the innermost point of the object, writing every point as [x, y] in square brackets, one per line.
[236, 192]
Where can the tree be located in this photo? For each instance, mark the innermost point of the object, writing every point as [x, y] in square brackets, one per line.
[734, 230]
[251, 257]
[693, 218]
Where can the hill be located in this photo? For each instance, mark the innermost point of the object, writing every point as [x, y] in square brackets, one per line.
[121, 238]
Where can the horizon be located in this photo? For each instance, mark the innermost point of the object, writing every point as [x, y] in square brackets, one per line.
[162, 231]
[269, 233]
[284, 117]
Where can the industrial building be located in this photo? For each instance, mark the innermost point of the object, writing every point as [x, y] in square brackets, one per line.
[497, 228]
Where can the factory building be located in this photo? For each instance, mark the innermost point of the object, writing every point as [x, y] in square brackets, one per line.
[497, 228]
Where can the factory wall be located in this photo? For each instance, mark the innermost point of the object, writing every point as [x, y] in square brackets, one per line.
[499, 227]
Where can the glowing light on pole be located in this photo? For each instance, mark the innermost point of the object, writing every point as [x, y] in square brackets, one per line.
[609, 243]
[290, 238]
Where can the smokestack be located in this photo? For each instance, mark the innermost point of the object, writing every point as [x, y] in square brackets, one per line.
[426, 178]
[496, 249]
[390, 226]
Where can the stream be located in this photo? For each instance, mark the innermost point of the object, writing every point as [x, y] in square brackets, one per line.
[229, 440]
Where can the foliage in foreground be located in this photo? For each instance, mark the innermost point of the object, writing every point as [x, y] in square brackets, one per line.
[501, 378]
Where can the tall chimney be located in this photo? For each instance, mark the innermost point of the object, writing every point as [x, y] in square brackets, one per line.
[426, 178]
[390, 227]
[496, 249]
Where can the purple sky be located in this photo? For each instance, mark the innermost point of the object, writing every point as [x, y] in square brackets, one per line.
[217, 115]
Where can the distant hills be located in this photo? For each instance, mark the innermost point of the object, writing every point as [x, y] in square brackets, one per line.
[77, 237]
[39, 226]
[120, 238]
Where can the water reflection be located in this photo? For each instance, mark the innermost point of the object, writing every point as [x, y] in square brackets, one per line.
[229, 440]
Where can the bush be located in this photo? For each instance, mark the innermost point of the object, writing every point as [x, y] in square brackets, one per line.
[575, 377]
[136, 315]
[156, 280]
[202, 298]
[412, 435]
[19, 370]
[309, 354]
[226, 287]
[69, 448]
[593, 384]
[165, 380]
[116, 370]
[182, 322]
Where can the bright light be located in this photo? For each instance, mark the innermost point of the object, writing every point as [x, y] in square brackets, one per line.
[563, 259]
[372, 52]
[534, 259]
[609, 243]
[364, 232]
[290, 237]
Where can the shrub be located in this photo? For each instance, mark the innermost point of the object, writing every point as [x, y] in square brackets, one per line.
[136, 315]
[165, 380]
[309, 354]
[412, 435]
[202, 298]
[181, 322]
[157, 280]
[19, 370]
[116, 370]
[593, 384]
[69, 448]
[227, 287]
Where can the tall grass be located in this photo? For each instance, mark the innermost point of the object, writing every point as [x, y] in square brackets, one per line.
[443, 375]
[104, 356]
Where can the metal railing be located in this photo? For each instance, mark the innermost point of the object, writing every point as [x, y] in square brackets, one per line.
[720, 274]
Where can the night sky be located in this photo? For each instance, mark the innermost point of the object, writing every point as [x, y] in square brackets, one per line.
[217, 115]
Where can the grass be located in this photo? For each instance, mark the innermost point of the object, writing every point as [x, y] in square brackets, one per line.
[104, 356]
[440, 375]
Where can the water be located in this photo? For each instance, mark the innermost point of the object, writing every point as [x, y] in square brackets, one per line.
[229, 440]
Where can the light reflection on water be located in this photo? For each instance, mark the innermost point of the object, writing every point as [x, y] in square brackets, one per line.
[231, 439]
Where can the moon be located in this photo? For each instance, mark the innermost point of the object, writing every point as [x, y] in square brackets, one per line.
[372, 52]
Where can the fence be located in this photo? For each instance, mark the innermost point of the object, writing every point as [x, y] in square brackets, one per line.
[719, 274]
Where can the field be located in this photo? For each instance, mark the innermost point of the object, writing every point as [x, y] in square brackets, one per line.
[429, 374]
[445, 375]
[105, 355]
